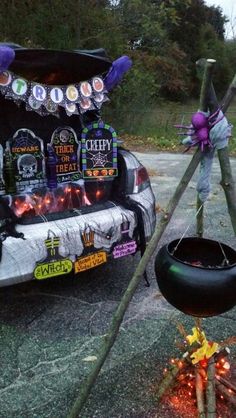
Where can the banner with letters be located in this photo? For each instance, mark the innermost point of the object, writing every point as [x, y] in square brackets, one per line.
[45, 99]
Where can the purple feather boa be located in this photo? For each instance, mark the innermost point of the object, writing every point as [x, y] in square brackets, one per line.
[118, 69]
[7, 55]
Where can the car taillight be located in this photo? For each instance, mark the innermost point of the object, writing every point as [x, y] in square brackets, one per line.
[141, 179]
[142, 176]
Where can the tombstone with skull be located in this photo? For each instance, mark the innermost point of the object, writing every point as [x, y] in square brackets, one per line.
[66, 147]
[27, 166]
[64, 136]
[28, 158]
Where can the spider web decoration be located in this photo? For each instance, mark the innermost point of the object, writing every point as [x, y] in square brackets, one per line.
[24, 138]
[99, 159]
[99, 151]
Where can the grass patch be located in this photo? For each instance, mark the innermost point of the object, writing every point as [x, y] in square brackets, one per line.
[153, 128]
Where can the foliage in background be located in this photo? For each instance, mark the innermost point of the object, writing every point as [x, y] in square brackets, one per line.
[163, 37]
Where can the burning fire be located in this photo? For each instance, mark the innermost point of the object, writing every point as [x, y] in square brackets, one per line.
[202, 374]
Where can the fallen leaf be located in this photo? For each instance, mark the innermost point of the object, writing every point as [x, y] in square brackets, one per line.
[158, 208]
[90, 358]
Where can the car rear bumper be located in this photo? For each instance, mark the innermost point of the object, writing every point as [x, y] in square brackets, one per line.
[76, 236]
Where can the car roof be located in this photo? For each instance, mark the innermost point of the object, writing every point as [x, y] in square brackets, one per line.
[58, 67]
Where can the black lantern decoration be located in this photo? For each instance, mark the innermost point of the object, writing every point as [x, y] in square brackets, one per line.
[197, 276]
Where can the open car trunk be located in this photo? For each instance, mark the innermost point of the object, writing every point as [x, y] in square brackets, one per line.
[65, 187]
[46, 166]
[30, 191]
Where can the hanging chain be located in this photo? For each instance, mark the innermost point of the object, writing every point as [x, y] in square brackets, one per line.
[225, 260]
[186, 230]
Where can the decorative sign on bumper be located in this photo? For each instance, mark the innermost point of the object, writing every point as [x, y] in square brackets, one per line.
[99, 151]
[126, 248]
[90, 261]
[53, 264]
[53, 269]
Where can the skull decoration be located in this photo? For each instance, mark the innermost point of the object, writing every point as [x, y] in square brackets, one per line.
[64, 136]
[27, 166]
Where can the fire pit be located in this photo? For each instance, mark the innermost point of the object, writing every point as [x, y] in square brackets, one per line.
[197, 276]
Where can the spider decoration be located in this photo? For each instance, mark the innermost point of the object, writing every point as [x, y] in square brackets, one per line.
[199, 130]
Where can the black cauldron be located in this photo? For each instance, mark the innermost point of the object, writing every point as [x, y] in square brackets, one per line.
[197, 276]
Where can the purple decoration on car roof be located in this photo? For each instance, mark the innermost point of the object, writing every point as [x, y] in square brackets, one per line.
[118, 69]
[7, 55]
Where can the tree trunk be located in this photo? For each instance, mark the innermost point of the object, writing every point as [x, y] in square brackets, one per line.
[78, 22]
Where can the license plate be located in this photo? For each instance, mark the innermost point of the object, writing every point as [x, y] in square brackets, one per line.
[90, 261]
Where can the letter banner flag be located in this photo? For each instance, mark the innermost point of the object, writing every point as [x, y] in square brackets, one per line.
[45, 99]
[99, 151]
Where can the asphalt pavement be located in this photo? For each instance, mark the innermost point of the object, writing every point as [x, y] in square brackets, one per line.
[51, 331]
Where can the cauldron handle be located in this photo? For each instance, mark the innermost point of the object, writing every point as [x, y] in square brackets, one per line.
[225, 260]
[186, 230]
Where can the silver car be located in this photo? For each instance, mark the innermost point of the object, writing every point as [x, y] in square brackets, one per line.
[71, 197]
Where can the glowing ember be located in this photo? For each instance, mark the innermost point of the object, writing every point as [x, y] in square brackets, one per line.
[194, 376]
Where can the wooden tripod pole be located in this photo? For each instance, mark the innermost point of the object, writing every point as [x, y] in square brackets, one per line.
[227, 180]
[209, 99]
[204, 95]
[117, 318]
[228, 184]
